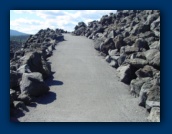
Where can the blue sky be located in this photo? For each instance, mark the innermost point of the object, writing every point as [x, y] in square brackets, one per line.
[31, 21]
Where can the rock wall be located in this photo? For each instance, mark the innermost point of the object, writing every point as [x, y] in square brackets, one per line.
[29, 68]
[130, 40]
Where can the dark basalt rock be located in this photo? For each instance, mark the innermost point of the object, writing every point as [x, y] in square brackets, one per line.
[136, 47]
[28, 67]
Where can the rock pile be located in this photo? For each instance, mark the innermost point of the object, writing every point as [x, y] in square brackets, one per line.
[29, 68]
[130, 39]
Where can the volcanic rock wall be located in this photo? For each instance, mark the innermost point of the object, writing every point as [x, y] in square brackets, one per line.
[130, 40]
[29, 68]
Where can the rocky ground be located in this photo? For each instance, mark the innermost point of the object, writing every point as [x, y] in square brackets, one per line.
[130, 41]
[29, 68]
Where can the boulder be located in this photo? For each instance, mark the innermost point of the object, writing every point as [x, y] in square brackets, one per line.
[130, 40]
[14, 79]
[151, 18]
[155, 27]
[155, 45]
[136, 84]
[154, 115]
[121, 59]
[154, 93]
[97, 43]
[118, 41]
[146, 71]
[153, 57]
[32, 84]
[141, 43]
[143, 93]
[130, 49]
[125, 73]
[151, 104]
[112, 34]
[140, 28]
[36, 63]
[108, 44]
[113, 52]
[139, 55]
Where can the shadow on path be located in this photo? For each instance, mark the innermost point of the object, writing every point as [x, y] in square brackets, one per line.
[51, 82]
[47, 98]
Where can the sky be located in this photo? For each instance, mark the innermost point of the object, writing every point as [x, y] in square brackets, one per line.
[31, 21]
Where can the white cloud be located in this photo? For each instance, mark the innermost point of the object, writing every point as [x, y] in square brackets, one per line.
[65, 19]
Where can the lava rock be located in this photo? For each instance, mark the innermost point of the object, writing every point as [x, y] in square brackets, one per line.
[32, 84]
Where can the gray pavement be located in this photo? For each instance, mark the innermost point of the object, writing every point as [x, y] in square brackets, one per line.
[84, 89]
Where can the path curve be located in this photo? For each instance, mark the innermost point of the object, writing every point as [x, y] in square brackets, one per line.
[84, 89]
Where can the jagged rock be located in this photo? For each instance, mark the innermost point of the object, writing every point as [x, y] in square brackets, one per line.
[118, 41]
[154, 115]
[97, 43]
[154, 93]
[113, 63]
[25, 98]
[140, 28]
[115, 58]
[14, 79]
[20, 105]
[13, 94]
[108, 59]
[121, 59]
[136, 84]
[23, 69]
[155, 27]
[32, 84]
[112, 34]
[18, 53]
[141, 43]
[146, 71]
[151, 104]
[37, 64]
[139, 55]
[130, 49]
[143, 93]
[125, 73]
[137, 63]
[122, 51]
[130, 40]
[108, 44]
[153, 57]
[113, 52]
[146, 35]
[80, 29]
[155, 45]
[151, 18]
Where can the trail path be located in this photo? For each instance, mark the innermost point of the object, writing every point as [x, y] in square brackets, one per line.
[84, 88]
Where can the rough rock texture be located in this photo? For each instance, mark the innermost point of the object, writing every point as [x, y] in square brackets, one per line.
[136, 85]
[28, 67]
[32, 84]
[136, 40]
[154, 115]
[125, 73]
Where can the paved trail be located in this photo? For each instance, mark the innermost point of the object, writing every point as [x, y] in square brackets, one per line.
[84, 89]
